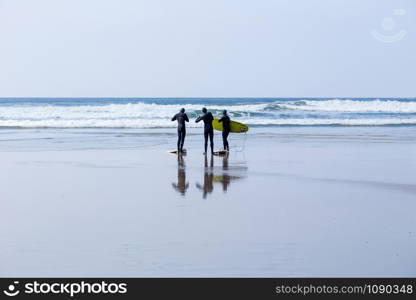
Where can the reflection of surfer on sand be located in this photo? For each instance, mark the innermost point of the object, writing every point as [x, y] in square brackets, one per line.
[211, 176]
[182, 185]
[208, 186]
[226, 179]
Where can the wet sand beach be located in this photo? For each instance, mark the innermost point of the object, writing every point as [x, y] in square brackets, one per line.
[291, 204]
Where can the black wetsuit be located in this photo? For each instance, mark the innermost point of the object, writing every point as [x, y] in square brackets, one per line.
[208, 129]
[181, 118]
[225, 131]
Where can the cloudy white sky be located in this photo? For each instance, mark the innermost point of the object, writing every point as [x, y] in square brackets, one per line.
[215, 48]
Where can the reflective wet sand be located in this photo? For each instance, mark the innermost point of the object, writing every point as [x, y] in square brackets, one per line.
[282, 207]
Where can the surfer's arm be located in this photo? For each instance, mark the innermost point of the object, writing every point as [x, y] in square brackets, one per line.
[221, 119]
[186, 118]
[174, 118]
[198, 119]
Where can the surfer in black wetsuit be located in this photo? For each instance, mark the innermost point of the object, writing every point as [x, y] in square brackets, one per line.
[208, 129]
[225, 120]
[181, 117]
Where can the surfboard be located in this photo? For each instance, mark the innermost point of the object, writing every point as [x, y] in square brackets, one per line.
[176, 151]
[221, 152]
[234, 126]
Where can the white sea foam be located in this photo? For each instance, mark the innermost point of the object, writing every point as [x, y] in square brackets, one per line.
[153, 123]
[345, 122]
[146, 115]
[111, 111]
[336, 105]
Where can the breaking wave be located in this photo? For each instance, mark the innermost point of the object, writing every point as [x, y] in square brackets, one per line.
[270, 112]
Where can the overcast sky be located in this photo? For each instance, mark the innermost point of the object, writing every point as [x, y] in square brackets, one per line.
[211, 48]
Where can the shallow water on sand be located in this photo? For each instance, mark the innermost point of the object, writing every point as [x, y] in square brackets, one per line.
[288, 202]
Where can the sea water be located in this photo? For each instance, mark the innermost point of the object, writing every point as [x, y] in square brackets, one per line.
[156, 112]
[28, 123]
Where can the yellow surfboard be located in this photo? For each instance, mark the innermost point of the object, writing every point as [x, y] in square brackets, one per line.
[235, 126]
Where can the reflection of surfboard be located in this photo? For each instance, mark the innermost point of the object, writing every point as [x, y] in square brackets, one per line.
[235, 126]
[223, 178]
[221, 152]
[176, 151]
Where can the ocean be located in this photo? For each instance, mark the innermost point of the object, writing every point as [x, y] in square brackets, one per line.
[156, 112]
[36, 124]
